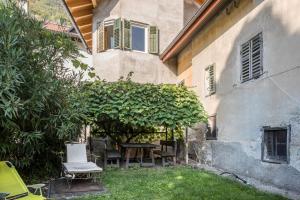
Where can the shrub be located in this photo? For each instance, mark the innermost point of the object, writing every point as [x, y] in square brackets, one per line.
[36, 91]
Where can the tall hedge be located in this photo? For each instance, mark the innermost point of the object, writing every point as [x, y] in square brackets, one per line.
[36, 91]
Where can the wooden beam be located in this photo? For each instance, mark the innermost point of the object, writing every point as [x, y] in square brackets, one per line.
[85, 27]
[89, 41]
[94, 2]
[86, 33]
[199, 1]
[88, 37]
[76, 3]
[84, 17]
[82, 12]
[82, 7]
[84, 20]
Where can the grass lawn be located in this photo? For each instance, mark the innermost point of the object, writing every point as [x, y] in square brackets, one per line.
[178, 183]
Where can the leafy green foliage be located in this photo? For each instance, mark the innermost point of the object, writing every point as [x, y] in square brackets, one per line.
[170, 183]
[125, 109]
[37, 92]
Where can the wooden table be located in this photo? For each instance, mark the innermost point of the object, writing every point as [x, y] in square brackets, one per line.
[138, 146]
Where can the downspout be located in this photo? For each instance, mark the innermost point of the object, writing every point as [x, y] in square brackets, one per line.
[76, 27]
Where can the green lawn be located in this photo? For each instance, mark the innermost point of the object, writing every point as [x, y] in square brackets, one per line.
[180, 183]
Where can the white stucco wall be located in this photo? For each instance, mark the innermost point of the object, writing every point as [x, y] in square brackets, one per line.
[86, 59]
[112, 64]
[244, 108]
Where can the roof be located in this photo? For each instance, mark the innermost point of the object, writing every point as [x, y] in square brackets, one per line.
[60, 29]
[56, 27]
[206, 12]
[81, 13]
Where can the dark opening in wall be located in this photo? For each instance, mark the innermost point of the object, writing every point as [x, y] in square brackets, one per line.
[211, 133]
[275, 144]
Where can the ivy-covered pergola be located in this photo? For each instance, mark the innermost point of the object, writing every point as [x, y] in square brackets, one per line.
[126, 110]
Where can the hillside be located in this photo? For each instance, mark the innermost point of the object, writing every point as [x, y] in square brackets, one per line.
[50, 10]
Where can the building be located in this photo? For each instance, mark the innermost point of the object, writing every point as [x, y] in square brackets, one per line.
[128, 35]
[239, 56]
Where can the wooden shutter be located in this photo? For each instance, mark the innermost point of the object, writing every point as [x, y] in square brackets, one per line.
[153, 40]
[210, 80]
[256, 56]
[117, 33]
[127, 34]
[100, 37]
[245, 61]
[251, 58]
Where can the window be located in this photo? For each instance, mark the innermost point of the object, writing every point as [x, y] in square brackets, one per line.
[127, 35]
[251, 58]
[211, 133]
[105, 35]
[138, 38]
[275, 145]
[210, 82]
[109, 36]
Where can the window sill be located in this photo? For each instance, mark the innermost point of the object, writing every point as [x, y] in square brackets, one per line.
[136, 51]
[211, 138]
[262, 76]
[209, 95]
[108, 50]
[274, 161]
[251, 80]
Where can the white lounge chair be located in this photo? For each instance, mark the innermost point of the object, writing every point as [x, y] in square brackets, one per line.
[77, 162]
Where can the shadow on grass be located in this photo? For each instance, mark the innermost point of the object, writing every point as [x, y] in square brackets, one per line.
[174, 183]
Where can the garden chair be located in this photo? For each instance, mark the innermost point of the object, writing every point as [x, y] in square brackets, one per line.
[168, 150]
[13, 187]
[77, 163]
[107, 150]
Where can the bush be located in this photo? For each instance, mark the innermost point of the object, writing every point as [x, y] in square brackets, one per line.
[36, 91]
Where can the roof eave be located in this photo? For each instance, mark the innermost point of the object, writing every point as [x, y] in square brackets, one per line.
[76, 27]
[204, 14]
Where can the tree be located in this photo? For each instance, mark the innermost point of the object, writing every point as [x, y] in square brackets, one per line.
[37, 111]
[124, 109]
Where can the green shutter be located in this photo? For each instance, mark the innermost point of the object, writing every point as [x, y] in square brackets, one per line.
[117, 33]
[210, 80]
[127, 34]
[153, 40]
[100, 37]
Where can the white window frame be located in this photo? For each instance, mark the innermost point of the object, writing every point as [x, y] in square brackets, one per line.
[146, 27]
